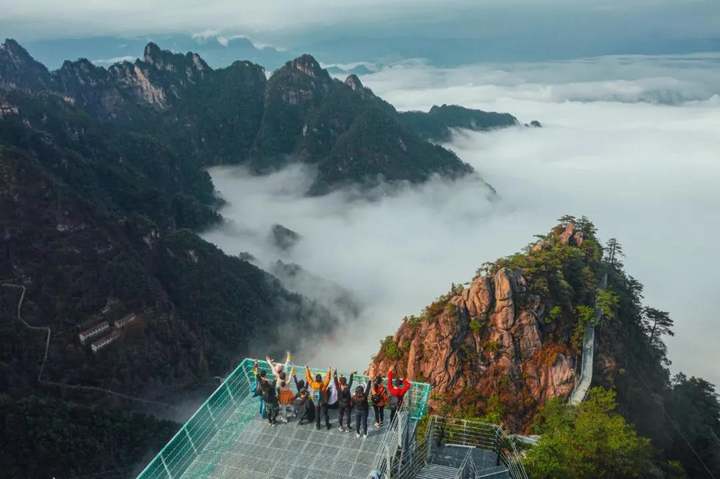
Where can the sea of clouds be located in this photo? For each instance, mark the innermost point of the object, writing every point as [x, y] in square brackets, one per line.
[633, 142]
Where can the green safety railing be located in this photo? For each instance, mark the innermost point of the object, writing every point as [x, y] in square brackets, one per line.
[232, 404]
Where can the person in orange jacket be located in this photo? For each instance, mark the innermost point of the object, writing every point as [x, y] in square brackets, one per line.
[379, 398]
[285, 395]
[320, 393]
[397, 389]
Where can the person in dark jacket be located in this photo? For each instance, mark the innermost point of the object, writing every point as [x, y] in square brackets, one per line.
[344, 399]
[361, 407]
[268, 391]
[379, 398]
[305, 408]
[260, 377]
[299, 403]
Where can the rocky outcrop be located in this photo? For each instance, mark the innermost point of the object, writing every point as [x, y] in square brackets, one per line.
[92, 88]
[491, 338]
[190, 65]
[283, 238]
[354, 83]
[309, 66]
[18, 70]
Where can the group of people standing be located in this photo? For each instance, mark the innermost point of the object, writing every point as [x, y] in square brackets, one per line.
[315, 395]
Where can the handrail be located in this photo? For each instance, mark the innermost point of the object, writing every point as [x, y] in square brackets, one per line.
[467, 462]
[579, 392]
[191, 439]
[477, 434]
[391, 440]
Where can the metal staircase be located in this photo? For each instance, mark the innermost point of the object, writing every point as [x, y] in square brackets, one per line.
[437, 471]
[582, 387]
[450, 448]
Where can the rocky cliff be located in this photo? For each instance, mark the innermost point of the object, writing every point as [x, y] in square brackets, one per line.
[508, 343]
[504, 343]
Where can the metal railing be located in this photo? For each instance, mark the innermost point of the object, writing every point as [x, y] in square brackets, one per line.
[394, 440]
[404, 451]
[427, 446]
[467, 468]
[582, 386]
[448, 431]
[232, 397]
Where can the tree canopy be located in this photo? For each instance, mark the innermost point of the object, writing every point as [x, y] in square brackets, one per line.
[589, 441]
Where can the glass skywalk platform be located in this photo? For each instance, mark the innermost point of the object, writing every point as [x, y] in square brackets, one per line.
[226, 438]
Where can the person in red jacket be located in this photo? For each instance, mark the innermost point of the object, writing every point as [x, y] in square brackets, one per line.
[397, 389]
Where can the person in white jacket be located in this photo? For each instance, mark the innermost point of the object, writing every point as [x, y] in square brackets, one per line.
[278, 368]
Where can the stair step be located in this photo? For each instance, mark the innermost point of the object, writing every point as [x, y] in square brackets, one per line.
[436, 471]
[497, 472]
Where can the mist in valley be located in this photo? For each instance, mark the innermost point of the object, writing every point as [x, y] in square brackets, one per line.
[631, 142]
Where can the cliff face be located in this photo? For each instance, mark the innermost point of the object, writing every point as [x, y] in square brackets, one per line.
[496, 341]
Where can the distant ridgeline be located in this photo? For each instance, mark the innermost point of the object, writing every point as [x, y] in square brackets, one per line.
[437, 124]
[206, 116]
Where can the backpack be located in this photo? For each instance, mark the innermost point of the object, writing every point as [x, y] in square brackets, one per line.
[359, 401]
[379, 397]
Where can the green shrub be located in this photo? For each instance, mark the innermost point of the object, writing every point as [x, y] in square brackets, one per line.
[450, 308]
[553, 315]
[494, 410]
[390, 349]
[413, 321]
[608, 302]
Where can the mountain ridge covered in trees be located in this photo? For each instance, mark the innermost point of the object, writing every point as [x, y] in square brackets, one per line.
[506, 347]
[237, 115]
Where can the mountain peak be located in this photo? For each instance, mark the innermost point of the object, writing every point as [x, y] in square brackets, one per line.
[152, 53]
[354, 82]
[307, 64]
[14, 52]
[18, 69]
[10, 44]
[173, 62]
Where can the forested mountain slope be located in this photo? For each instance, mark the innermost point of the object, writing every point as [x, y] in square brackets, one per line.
[508, 344]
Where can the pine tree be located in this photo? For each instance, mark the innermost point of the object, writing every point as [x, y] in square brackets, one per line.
[657, 323]
[613, 252]
[566, 220]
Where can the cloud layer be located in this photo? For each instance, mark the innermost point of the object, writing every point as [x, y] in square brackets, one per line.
[645, 172]
[448, 31]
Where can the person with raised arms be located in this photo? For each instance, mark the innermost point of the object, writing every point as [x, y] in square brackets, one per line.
[361, 407]
[398, 388]
[319, 391]
[344, 401]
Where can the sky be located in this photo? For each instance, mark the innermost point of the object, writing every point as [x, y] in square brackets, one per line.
[629, 141]
[448, 32]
